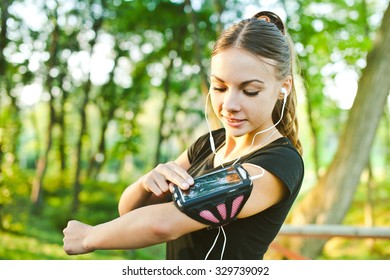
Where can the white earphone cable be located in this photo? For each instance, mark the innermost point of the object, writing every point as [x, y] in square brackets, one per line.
[215, 242]
[212, 144]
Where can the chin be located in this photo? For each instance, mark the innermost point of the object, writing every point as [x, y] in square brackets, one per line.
[235, 132]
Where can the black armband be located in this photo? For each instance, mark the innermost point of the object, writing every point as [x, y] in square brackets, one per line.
[215, 198]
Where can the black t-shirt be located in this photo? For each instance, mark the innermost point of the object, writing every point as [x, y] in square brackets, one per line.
[250, 237]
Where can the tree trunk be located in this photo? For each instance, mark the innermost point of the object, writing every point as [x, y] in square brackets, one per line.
[314, 135]
[331, 198]
[83, 120]
[9, 131]
[79, 149]
[62, 129]
[3, 43]
[167, 89]
[37, 186]
[97, 159]
[387, 144]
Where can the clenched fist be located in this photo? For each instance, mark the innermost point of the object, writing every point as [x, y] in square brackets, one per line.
[74, 238]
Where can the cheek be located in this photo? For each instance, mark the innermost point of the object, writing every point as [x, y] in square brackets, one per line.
[216, 103]
[259, 110]
[255, 112]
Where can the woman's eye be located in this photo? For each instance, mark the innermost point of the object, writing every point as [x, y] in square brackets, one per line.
[218, 89]
[251, 93]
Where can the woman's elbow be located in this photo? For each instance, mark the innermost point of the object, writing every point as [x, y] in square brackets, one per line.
[121, 210]
[124, 204]
[167, 223]
[123, 207]
[163, 232]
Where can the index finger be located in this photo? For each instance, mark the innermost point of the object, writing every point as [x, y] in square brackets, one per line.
[177, 175]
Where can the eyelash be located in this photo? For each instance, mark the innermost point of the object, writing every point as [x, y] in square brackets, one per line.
[251, 93]
[248, 93]
[218, 89]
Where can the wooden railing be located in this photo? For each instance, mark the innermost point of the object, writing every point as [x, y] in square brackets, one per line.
[327, 231]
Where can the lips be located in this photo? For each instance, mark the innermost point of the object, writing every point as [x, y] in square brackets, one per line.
[233, 122]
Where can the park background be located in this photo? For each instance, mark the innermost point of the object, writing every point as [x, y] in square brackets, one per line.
[95, 93]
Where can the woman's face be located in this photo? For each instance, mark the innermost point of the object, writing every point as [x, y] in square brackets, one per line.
[243, 91]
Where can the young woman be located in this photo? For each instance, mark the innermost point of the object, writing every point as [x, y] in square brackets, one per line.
[253, 95]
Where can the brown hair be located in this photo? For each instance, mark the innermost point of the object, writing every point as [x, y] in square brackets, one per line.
[264, 36]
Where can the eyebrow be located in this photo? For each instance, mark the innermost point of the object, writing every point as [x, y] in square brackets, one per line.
[241, 84]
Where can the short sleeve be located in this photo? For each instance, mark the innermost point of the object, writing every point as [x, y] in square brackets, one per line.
[284, 162]
[197, 147]
[201, 147]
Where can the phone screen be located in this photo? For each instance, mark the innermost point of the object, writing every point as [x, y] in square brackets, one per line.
[213, 182]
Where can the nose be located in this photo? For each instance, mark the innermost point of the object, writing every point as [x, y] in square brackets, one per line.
[231, 102]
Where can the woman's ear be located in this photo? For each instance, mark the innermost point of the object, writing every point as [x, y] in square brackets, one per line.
[286, 87]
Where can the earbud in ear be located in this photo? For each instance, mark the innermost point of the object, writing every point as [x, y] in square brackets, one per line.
[283, 90]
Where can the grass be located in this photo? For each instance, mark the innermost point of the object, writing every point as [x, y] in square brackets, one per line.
[14, 246]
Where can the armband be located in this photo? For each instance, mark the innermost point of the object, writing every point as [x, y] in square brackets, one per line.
[215, 198]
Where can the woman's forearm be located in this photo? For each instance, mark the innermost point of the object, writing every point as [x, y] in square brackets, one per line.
[133, 197]
[140, 228]
[136, 229]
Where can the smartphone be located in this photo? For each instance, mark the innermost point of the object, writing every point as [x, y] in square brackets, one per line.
[214, 186]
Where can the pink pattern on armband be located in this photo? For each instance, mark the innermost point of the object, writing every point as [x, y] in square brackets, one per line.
[206, 214]
[222, 210]
[235, 205]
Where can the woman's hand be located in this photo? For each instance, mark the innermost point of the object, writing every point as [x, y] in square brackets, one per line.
[74, 238]
[162, 178]
[153, 186]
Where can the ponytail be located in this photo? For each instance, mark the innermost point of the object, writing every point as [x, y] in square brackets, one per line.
[288, 126]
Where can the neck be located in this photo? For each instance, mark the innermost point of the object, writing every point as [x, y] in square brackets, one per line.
[236, 147]
[234, 144]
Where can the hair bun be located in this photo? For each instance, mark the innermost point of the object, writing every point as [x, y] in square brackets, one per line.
[271, 18]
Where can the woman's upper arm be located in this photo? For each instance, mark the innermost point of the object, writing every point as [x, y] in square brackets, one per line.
[183, 160]
[267, 191]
